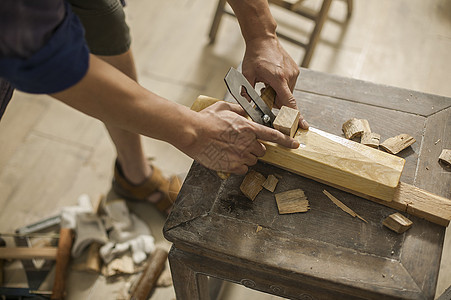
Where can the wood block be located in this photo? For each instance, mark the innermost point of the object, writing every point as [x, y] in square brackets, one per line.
[287, 121]
[252, 184]
[398, 143]
[354, 128]
[445, 156]
[292, 202]
[397, 222]
[370, 139]
[339, 162]
[270, 183]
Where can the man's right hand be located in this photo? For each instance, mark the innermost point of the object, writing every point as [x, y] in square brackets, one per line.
[228, 142]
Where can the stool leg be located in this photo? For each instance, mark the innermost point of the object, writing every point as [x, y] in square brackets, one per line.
[350, 5]
[320, 19]
[216, 20]
[188, 284]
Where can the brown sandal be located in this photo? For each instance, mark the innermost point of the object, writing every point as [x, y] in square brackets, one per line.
[155, 183]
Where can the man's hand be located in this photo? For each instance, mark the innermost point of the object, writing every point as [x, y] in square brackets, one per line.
[266, 61]
[228, 142]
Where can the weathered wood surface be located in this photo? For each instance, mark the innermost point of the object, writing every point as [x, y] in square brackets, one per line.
[319, 254]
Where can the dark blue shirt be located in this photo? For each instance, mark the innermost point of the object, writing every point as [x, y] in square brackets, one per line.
[42, 47]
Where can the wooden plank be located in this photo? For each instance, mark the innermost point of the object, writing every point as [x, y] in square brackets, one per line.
[379, 95]
[340, 162]
[406, 198]
[333, 159]
[28, 253]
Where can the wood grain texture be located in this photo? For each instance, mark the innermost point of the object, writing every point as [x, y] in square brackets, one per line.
[353, 128]
[370, 139]
[397, 222]
[28, 253]
[287, 120]
[340, 162]
[252, 184]
[396, 144]
[333, 159]
[292, 201]
[270, 183]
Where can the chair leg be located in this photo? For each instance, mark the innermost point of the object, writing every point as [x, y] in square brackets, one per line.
[350, 6]
[314, 37]
[216, 20]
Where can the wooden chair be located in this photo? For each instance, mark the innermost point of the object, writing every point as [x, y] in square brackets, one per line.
[295, 6]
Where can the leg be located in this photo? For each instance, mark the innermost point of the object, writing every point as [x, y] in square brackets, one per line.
[314, 37]
[216, 20]
[187, 283]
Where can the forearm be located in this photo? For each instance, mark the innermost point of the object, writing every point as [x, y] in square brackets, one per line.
[255, 19]
[110, 96]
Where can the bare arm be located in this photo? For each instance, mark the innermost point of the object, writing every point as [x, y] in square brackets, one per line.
[110, 96]
[265, 59]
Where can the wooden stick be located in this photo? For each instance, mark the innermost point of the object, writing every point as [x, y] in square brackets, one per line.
[343, 206]
[154, 267]
[62, 263]
[28, 253]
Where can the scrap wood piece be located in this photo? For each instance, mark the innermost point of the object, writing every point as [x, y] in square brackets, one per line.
[397, 222]
[370, 139]
[292, 202]
[445, 156]
[287, 120]
[354, 128]
[270, 183]
[398, 143]
[343, 206]
[252, 184]
[366, 125]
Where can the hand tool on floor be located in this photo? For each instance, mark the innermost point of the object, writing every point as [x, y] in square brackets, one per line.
[154, 267]
[36, 270]
[261, 113]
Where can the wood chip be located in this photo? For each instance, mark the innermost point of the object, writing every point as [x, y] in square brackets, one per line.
[287, 120]
[370, 139]
[445, 156]
[258, 228]
[354, 128]
[397, 222]
[398, 143]
[366, 125]
[292, 202]
[342, 206]
[252, 184]
[270, 183]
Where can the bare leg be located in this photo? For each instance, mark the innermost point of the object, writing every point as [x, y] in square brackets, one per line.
[128, 145]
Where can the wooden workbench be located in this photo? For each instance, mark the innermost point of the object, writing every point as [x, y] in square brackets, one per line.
[324, 253]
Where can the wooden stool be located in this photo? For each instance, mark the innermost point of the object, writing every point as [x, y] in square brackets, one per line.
[296, 7]
[323, 253]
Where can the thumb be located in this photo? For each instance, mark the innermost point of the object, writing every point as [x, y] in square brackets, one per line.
[271, 135]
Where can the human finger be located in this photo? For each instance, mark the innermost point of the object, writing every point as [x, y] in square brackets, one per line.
[272, 135]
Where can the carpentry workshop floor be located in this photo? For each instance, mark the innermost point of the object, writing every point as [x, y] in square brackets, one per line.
[50, 154]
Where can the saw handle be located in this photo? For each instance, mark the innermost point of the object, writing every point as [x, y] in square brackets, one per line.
[62, 263]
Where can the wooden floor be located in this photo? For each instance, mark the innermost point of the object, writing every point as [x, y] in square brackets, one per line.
[50, 154]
